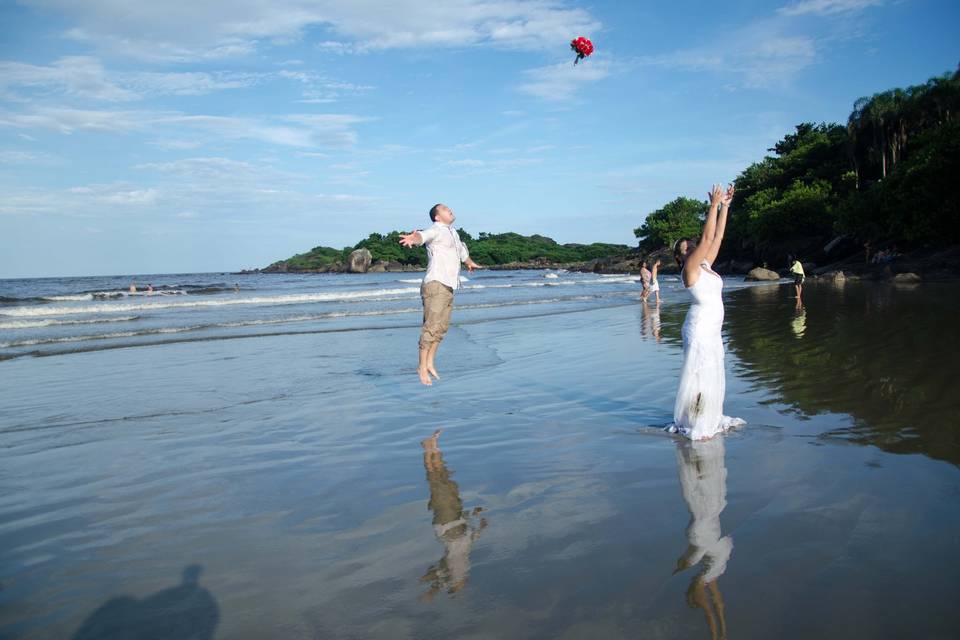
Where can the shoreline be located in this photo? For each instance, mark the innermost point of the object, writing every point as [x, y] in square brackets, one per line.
[920, 265]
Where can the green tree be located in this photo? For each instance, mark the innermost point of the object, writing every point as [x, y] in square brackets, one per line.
[681, 218]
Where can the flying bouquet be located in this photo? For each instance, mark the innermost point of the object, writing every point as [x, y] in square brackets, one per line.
[582, 47]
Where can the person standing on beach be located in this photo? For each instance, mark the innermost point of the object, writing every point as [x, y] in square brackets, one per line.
[645, 281]
[698, 410]
[798, 276]
[445, 252]
[654, 283]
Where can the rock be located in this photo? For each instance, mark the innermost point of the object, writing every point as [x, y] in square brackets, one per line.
[359, 261]
[377, 267]
[759, 273]
[907, 277]
[834, 276]
[393, 265]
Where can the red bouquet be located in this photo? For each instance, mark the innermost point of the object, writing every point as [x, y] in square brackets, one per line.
[582, 47]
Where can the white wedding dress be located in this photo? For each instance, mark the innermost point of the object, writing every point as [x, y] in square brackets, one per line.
[698, 412]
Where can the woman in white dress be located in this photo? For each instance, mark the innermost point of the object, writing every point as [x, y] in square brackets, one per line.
[698, 411]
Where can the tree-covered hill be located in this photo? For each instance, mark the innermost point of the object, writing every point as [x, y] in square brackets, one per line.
[488, 249]
[882, 179]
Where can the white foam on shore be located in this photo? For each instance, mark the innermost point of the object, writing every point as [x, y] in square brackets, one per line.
[35, 324]
[27, 312]
[270, 321]
[69, 298]
[301, 298]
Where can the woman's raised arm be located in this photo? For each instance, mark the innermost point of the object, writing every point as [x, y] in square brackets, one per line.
[721, 225]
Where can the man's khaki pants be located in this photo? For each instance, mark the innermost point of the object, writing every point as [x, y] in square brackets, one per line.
[437, 307]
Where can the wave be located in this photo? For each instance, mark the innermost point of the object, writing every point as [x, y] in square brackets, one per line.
[99, 294]
[32, 342]
[298, 298]
[141, 303]
[34, 324]
[251, 335]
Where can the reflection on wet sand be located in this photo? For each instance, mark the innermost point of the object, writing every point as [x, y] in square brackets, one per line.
[650, 321]
[870, 351]
[454, 527]
[799, 324]
[703, 480]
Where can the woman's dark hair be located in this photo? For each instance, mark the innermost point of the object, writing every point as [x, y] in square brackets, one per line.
[676, 251]
[433, 212]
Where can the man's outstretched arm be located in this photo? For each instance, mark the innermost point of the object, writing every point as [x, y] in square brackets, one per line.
[412, 239]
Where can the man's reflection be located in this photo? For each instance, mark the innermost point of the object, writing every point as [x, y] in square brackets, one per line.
[454, 527]
[703, 480]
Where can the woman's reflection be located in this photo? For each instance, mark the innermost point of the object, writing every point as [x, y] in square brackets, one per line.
[454, 527]
[650, 321]
[703, 480]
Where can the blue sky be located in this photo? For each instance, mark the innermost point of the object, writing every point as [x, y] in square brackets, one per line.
[217, 135]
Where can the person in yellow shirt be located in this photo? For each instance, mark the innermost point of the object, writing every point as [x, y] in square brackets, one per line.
[798, 276]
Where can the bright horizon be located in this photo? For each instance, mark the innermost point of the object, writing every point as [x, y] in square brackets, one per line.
[220, 136]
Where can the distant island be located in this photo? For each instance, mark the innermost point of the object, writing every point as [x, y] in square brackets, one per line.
[383, 252]
[874, 196]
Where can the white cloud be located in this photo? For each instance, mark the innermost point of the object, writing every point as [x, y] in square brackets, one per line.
[826, 7]
[765, 53]
[13, 157]
[306, 130]
[67, 120]
[131, 197]
[185, 30]
[318, 89]
[77, 76]
[187, 83]
[562, 81]
[217, 168]
[85, 77]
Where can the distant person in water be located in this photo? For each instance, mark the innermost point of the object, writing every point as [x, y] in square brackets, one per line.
[149, 289]
[796, 268]
[236, 287]
[445, 252]
[698, 410]
[654, 283]
[133, 287]
[645, 276]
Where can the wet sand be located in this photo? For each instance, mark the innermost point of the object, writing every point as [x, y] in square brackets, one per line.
[279, 487]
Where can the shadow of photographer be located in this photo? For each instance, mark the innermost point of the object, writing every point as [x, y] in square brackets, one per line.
[187, 611]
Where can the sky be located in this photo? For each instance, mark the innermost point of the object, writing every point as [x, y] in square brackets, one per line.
[217, 135]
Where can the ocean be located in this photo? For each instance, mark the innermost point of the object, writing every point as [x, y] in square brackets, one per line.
[208, 463]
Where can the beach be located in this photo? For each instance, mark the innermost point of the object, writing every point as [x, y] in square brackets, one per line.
[254, 460]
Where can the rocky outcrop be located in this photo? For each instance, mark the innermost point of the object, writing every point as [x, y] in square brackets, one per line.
[906, 278]
[359, 261]
[837, 277]
[759, 273]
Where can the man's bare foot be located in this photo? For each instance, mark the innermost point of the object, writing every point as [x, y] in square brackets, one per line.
[424, 376]
[433, 371]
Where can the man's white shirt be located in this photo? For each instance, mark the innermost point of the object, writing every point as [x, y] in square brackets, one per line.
[445, 252]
